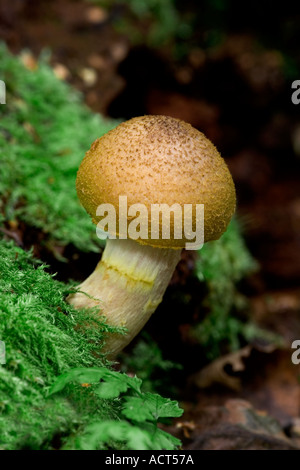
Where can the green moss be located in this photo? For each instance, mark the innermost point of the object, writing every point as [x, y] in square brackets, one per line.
[45, 131]
[154, 23]
[42, 340]
[222, 264]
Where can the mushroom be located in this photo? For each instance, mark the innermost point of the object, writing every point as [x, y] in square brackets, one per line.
[150, 160]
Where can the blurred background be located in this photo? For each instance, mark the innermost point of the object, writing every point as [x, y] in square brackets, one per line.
[227, 68]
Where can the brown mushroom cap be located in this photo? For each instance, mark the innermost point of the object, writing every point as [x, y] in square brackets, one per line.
[156, 160]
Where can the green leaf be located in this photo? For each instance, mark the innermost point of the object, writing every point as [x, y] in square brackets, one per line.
[163, 440]
[150, 407]
[115, 383]
[105, 431]
[79, 375]
[133, 437]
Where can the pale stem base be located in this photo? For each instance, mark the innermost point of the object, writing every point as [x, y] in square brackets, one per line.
[128, 284]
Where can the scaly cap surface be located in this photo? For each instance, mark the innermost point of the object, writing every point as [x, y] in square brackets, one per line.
[156, 160]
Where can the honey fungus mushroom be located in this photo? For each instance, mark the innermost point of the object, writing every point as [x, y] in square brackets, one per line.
[150, 160]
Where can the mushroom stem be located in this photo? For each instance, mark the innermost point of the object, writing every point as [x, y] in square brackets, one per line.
[128, 284]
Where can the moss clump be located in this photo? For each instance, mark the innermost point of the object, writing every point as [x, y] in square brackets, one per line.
[222, 264]
[42, 341]
[44, 133]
